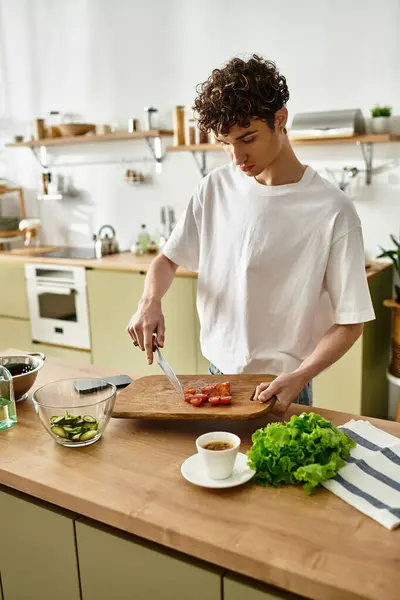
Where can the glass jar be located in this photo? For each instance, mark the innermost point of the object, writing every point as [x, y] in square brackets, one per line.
[192, 127]
[8, 411]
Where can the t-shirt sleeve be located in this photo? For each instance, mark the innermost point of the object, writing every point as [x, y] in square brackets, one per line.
[346, 280]
[183, 245]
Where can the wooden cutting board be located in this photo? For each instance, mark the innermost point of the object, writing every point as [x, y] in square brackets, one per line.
[153, 397]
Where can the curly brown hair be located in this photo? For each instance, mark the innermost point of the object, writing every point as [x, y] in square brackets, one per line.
[240, 91]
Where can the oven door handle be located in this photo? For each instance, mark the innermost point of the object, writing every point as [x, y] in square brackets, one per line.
[60, 290]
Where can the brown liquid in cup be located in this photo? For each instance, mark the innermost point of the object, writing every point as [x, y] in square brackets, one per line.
[218, 446]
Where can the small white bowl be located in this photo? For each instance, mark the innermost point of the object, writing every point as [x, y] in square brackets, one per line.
[218, 463]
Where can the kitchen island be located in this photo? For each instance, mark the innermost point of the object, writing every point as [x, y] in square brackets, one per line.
[116, 520]
[357, 383]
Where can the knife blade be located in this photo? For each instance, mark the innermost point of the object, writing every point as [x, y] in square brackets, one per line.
[169, 372]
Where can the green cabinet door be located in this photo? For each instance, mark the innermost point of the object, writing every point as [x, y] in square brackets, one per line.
[339, 387]
[15, 333]
[240, 588]
[13, 297]
[117, 566]
[113, 297]
[37, 550]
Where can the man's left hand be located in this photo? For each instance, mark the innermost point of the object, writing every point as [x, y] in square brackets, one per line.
[286, 388]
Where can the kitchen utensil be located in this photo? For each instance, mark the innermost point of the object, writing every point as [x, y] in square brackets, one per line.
[73, 419]
[8, 412]
[168, 222]
[24, 369]
[193, 471]
[166, 367]
[152, 397]
[150, 117]
[70, 129]
[105, 245]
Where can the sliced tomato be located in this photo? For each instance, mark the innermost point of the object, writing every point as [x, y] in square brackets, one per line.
[190, 390]
[214, 400]
[209, 390]
[226, 399]
[188, 397]
[201, 397]
[196, 401]
[223, 389]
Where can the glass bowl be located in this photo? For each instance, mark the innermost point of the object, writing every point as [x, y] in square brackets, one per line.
[75, 412]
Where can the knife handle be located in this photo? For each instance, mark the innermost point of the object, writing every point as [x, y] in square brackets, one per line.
[155, 342]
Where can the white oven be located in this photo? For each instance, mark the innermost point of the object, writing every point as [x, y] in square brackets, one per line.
[58, 305]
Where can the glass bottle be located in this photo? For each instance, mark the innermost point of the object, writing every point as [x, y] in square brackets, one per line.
[8, 411]
[143, 239]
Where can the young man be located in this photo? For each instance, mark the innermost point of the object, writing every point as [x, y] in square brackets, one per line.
[278, 249]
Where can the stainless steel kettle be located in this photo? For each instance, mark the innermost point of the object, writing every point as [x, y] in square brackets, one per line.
[104, 244]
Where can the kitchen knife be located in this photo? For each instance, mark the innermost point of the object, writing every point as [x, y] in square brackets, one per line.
[166, 367]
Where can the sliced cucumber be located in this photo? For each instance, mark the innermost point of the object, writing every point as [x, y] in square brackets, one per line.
[89, 419]
[88, 435]
[75, 427]
[76, 430]
[69, 420]
[90, 426]
[59, 431]
[68, 428]
[56, 420]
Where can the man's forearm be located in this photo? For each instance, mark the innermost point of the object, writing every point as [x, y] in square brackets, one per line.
[334, 344]
[159, 278]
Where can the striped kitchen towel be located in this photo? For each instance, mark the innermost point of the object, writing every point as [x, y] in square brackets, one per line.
[370, 481]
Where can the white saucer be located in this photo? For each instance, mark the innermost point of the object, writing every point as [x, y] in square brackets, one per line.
[193, 470]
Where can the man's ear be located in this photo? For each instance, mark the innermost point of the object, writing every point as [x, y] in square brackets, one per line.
[281, 117]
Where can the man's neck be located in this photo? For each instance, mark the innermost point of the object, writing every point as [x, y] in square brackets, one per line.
[285, 169]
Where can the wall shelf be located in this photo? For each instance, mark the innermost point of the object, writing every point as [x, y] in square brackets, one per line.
[92, 138]
[364, 141]
[152, 137]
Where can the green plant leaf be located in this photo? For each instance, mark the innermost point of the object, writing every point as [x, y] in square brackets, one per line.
[381, 111]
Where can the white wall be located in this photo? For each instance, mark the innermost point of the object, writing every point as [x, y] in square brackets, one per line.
[107, 59]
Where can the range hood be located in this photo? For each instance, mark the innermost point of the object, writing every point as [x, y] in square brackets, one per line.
[331, 123]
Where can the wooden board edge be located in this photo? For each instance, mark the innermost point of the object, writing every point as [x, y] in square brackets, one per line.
[195, 416]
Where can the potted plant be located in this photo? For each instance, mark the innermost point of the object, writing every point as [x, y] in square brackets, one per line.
[381, 119]
[394, 256]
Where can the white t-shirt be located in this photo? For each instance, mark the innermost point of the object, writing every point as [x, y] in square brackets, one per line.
[277, 266]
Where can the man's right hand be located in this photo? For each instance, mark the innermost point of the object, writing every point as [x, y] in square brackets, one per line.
[147, 320]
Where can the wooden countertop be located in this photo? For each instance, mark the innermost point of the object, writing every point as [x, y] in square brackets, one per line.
[126, 261]
[316, 546]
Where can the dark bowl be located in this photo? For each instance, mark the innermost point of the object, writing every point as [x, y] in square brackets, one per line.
[24, 369]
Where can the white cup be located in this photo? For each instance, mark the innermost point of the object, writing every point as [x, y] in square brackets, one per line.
[218, 463]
